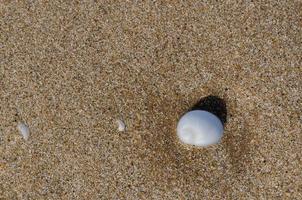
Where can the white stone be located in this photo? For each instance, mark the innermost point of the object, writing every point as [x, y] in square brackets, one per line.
[121, 125]
[200, 128]
[24, 130]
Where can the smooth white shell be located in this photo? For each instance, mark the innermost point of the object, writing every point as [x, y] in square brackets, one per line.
[24, 130]
[121, 125]
[200, 128]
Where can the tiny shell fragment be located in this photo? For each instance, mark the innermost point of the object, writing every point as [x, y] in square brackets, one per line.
[24, 130]
[121, 125]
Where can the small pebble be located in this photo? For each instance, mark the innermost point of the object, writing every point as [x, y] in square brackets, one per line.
[121, 125]
[199, 128]
[24, 130]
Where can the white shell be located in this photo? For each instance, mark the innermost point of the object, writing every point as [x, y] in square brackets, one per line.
[24, 130]
[200, 128]
[121, 125]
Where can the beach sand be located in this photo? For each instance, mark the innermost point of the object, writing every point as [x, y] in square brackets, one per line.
[69, 70]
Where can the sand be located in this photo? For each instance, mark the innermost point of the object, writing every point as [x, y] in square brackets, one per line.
[69, 70]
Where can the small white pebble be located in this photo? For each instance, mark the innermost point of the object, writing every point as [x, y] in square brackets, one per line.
[200, 128]
[24, 130]
[121, 125]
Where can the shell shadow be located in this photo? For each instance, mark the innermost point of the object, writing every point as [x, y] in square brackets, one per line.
[214, 105]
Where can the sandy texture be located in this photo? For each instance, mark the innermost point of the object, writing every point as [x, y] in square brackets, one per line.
[70, 70]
